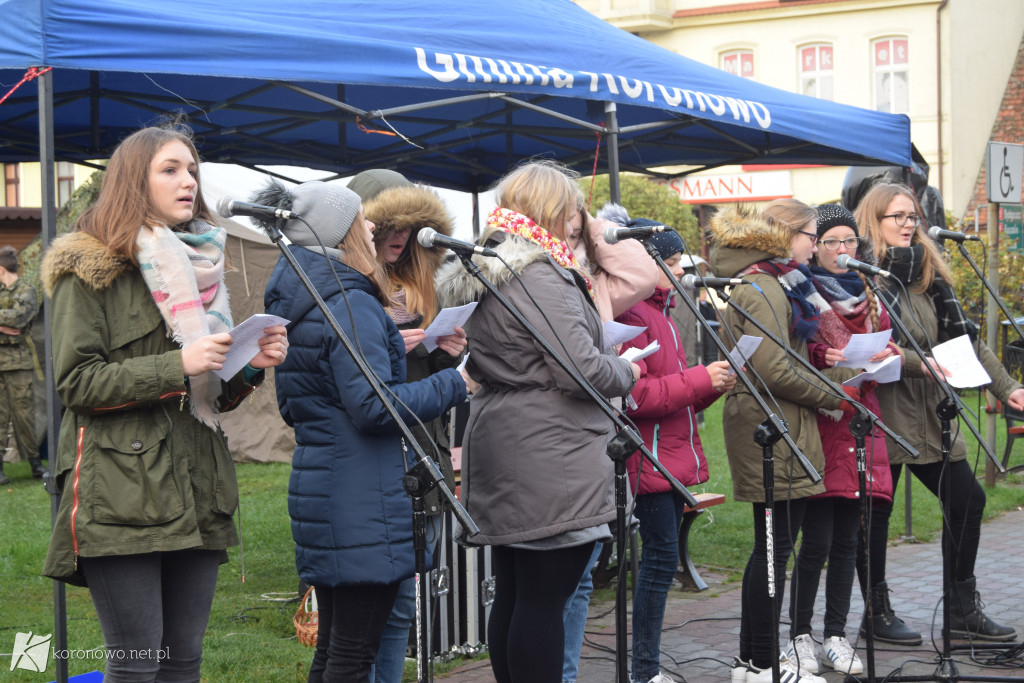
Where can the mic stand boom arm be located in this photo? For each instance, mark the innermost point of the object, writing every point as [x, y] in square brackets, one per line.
[424, 463]
[952, 401]
[775, 424]
[991, 291]
[899, 440]
[623, 444]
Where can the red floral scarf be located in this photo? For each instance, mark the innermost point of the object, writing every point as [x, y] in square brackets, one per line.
[516, 223]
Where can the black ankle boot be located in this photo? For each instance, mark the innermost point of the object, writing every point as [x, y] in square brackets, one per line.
[37, 467]
[887, 627]
[966, 620]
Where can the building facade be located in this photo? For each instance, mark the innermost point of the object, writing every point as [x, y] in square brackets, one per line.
[946, 64]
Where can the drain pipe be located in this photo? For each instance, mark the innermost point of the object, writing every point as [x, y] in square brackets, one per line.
[938, 89]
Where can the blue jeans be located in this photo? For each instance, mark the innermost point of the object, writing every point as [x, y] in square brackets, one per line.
[660, 515]
[395, 640]
[574, 618]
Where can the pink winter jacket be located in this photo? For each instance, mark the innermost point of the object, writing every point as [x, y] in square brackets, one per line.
[667, 396]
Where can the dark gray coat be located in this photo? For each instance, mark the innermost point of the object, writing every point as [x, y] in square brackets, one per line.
[534, 462]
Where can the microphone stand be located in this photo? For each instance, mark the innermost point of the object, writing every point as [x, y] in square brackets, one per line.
[622, 445]
[947, 410]
[418, 480]
[991, 290]
[860, 425]
[766, 434]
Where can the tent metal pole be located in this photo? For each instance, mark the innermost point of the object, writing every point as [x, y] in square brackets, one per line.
[49, 225]
[612, 131]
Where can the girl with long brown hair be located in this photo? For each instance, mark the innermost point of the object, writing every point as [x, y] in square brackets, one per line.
[890, 216]
[148, 484]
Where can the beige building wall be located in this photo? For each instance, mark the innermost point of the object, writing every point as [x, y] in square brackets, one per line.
[31, 187]
[976, 58]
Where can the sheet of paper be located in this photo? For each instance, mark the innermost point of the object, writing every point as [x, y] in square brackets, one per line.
[246, 343]
[957, 356]
[446, 322]
[617, 333]
[883, 372]
[744, 349]
[633, 353]
[862, 347]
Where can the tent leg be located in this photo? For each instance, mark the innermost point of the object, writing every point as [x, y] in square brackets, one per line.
[612, 126]
[47, 162]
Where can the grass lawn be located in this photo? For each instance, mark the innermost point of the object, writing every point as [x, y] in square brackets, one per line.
[250, 636]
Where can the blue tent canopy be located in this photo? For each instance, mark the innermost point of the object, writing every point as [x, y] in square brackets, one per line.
[453, 92]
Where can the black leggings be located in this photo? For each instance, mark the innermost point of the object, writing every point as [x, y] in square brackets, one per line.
[351, 622]
[525, 631]
[964, 525]
[756, 632]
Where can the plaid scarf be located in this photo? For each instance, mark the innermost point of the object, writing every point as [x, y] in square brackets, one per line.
[797, 283]
[185, 274]
[846, 309]
[905, 265]
[516, 223]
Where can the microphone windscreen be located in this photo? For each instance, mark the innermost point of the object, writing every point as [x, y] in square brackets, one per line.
[611, 234]
[842, 260]
[224, 207]
[425, 237]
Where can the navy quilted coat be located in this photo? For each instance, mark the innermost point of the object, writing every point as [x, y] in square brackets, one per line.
[351, 518]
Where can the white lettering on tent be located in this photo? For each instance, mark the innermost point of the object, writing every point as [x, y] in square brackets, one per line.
[507, 68]
[561, 79]
[444, 60]
[528, 78]
[474, 68]
[672, 100]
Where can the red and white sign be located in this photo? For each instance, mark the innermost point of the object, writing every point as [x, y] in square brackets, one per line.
[738, 187]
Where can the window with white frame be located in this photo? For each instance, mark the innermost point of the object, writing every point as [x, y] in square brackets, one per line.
[890, 60]
[65, 181]
[739, 62]
[816, 70]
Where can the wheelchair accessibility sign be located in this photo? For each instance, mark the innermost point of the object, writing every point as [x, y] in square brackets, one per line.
[1004, 170]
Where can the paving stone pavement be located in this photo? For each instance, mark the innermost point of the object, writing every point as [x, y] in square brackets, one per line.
[702, 629]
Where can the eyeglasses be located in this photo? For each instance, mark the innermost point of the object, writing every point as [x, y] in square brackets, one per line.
[832, 244]
[814, 238]
[902, 218]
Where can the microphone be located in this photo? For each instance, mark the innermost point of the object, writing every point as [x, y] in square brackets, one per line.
[228, 207]
[613, 235]
[937, 234]
[844, 261]
[691, 281]
[428, 237]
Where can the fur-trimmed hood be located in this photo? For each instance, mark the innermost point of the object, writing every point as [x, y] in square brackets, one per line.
[741, 236]
[413, 207]
[455, 286]
[81, 254]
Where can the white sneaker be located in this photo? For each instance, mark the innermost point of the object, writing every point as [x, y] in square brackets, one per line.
[739, 670]
[840, 655]
[805, 650]
[787, 674]
[662, 678]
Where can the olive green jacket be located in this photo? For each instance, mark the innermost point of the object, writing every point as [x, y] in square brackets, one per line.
[741, 240]
[136, 471]
[17, 309]
[908, 406]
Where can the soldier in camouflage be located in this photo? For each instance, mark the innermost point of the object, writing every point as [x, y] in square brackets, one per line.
[17, 309]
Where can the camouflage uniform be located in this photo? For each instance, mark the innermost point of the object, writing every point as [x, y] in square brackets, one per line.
[17, 309]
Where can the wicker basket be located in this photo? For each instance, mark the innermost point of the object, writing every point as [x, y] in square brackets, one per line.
[306, 622]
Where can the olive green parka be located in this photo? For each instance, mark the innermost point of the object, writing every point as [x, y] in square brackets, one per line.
[136, 471]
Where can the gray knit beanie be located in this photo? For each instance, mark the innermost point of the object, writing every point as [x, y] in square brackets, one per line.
[371, 183]
[330, 211]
